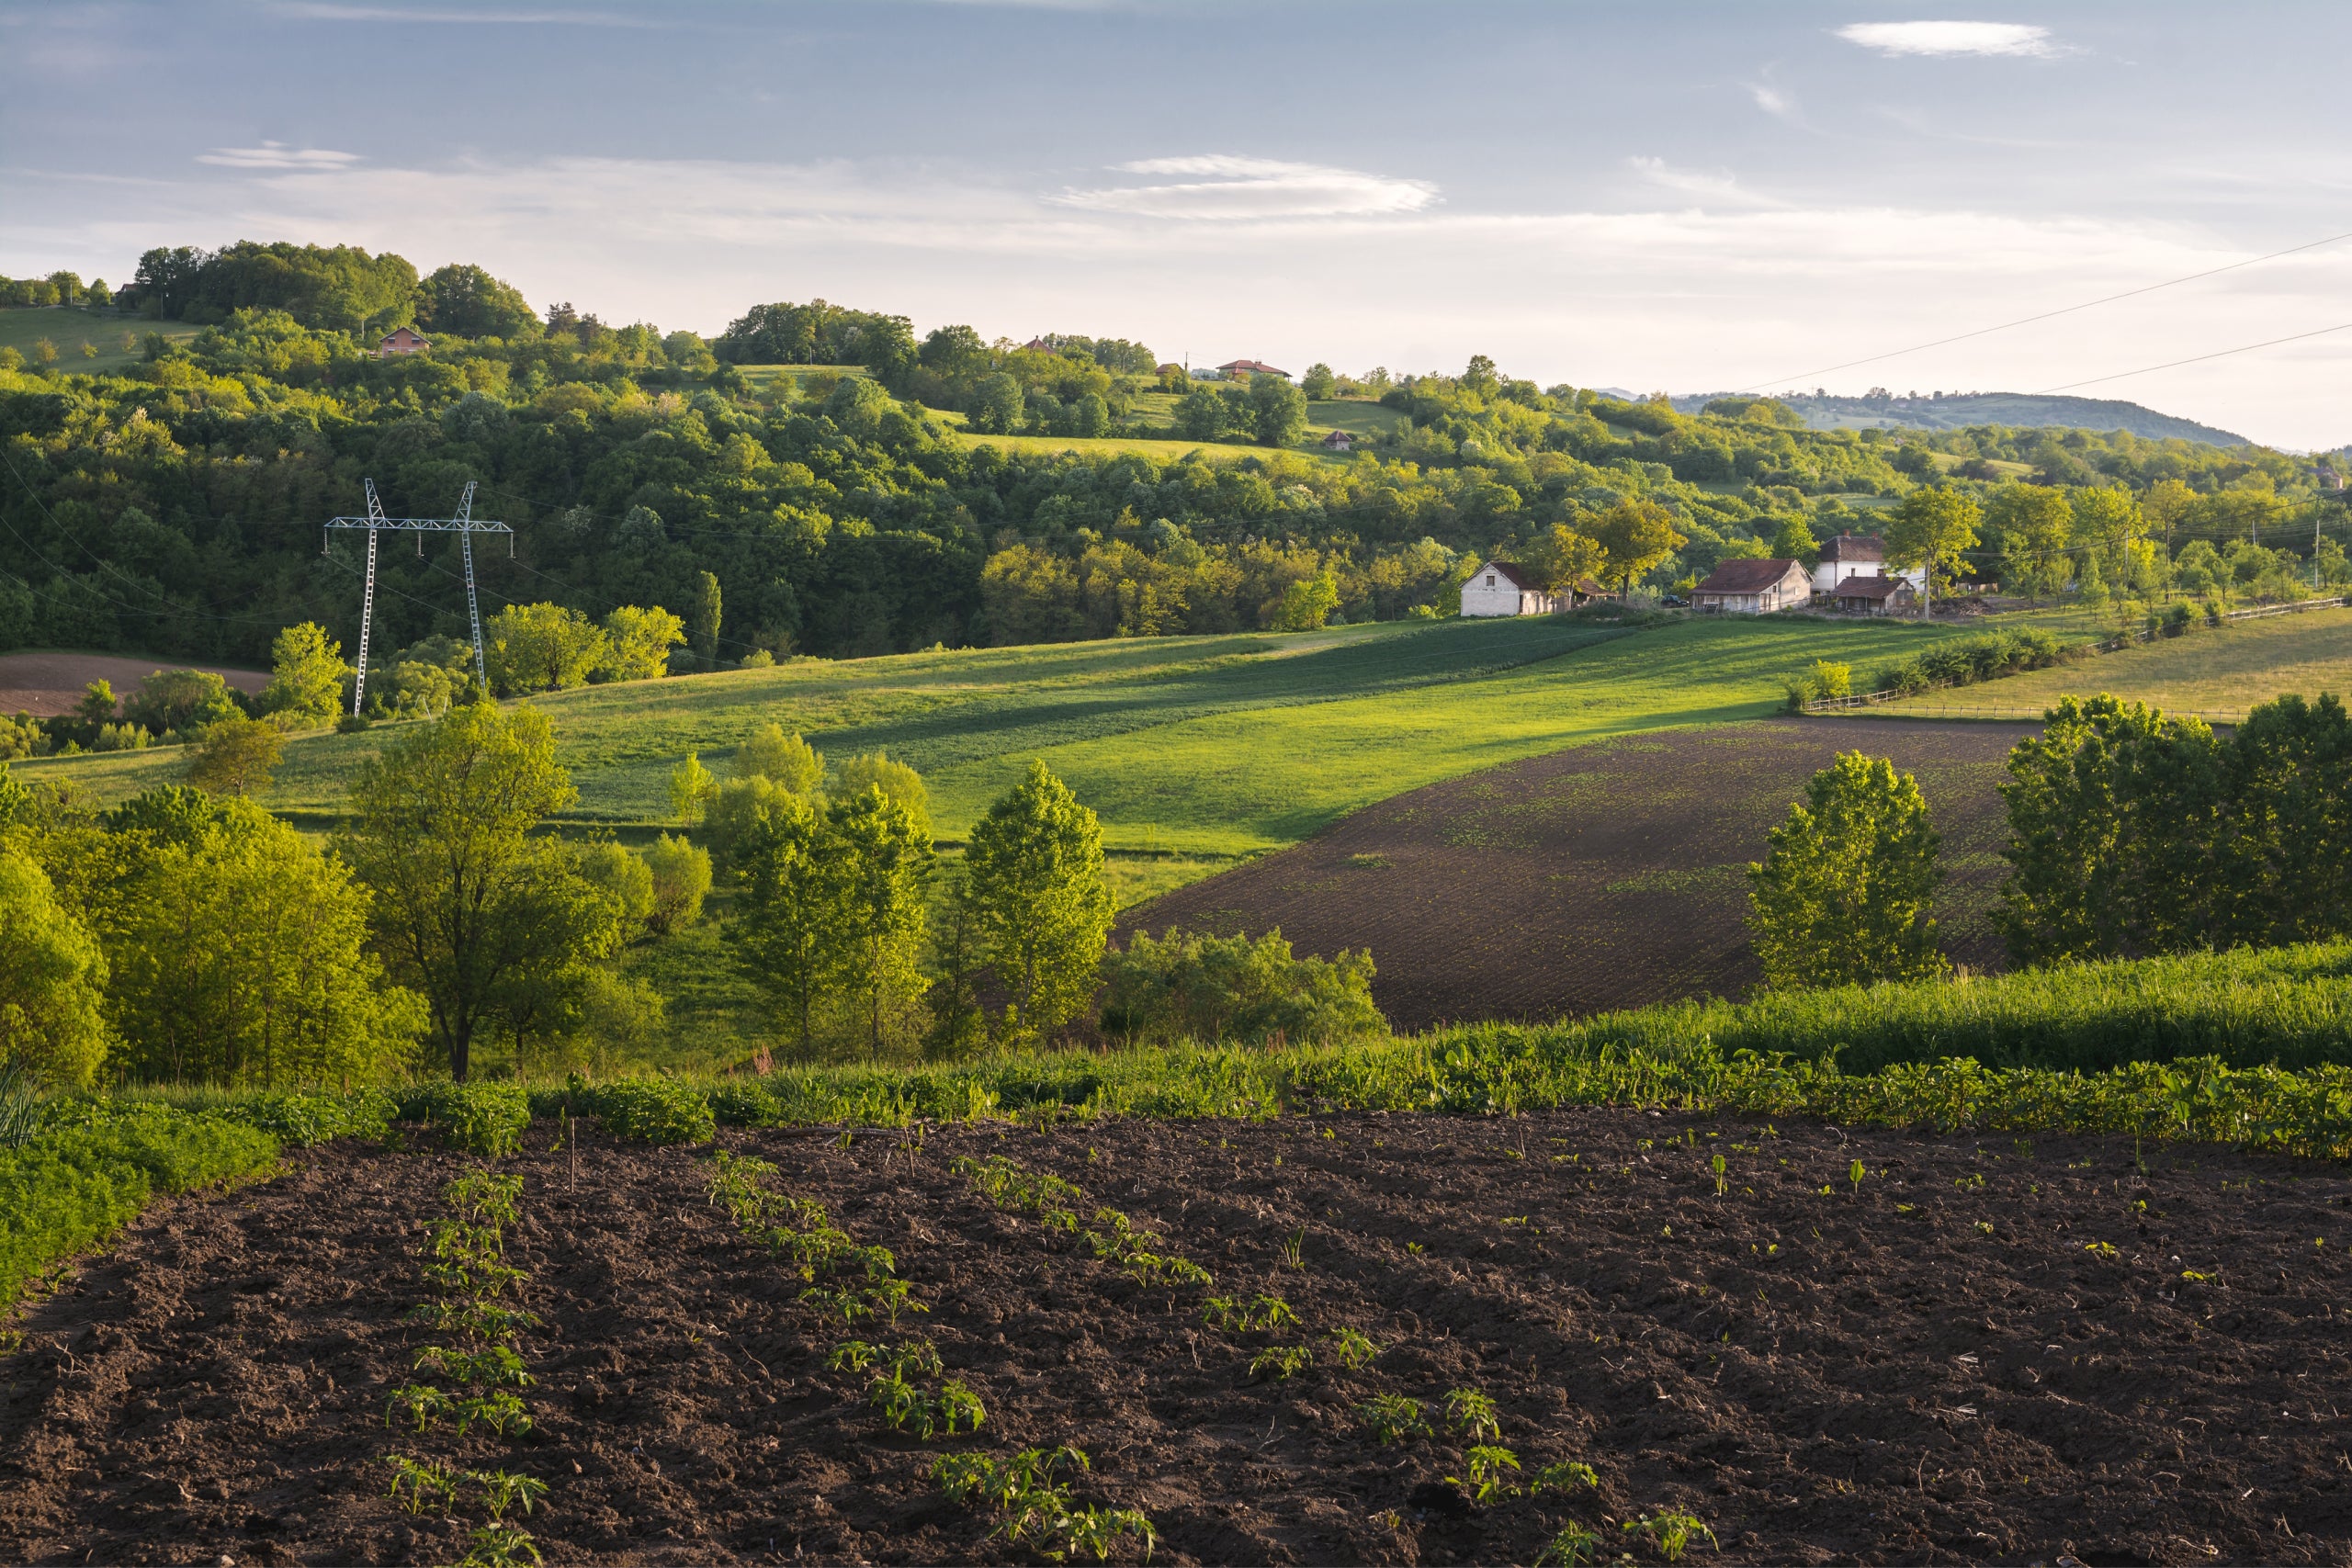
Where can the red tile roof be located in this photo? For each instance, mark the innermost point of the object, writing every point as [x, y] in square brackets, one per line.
[1869, 588]
[1515, 574]
[1255, 368]
[1744, 576]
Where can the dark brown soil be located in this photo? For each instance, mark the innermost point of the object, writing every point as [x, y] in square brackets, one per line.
[1947, 1365]
[48, 683]
[1609, 875]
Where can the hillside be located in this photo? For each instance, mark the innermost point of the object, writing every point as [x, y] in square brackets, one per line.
[1215, 746]
[1957, 411]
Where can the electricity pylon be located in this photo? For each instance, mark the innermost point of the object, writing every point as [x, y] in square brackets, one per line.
[464, 525]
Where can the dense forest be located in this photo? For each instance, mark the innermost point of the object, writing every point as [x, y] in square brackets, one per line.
[172, 504]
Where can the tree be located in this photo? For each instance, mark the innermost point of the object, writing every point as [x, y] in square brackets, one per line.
[885, 863]
[1277, 411]
[1306, 602]
[469, 899]
[680, 882]
[996, 406]
[1319, 382]
[1636, 535]
[97, 704]
[625, 877]
[691, 787]
[1929, 529]
[1564, 558]
[1033, 883]
[638, 643]
[53, 981]
[896, 780]
[1090, 416]
[307, 673]
[1842, 897]
[173, 702]
[706, 619]
[540, 647]
[1200, 414]
[2288, 855]
[240, 955]
[2031, 526]
[769, 753]
[788, 916]
[1792, 540]
[466, 301]
[235, 756]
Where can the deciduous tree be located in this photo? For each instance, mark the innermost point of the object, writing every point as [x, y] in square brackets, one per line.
[53, 981]
[1842, 898]
[1034, 881]
[236, 756]
[1929, 529]
[1636, 535]
[307, 673]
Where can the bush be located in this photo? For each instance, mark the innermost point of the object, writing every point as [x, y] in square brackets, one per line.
[1186, 986]
[485, 1119]
[650, 1110]
[744, 1105]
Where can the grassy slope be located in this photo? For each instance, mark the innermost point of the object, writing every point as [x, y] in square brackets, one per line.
[69, 327]
[1212, 745]
[2218, 674]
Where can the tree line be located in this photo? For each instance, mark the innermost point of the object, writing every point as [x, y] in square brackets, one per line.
[2132, 833]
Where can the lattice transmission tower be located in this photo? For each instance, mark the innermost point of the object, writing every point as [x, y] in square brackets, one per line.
[464, 525]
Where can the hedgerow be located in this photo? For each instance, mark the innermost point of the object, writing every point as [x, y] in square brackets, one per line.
[485, 1119]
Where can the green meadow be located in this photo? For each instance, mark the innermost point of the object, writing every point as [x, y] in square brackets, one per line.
[1209, 747]
[69, 327]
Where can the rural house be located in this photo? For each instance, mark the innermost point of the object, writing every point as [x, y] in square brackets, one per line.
[1251, 367]
[1874, 595]
[1752, 588]
[1338, 441]
[402, 340]
[1856, 555]
[1506, 588]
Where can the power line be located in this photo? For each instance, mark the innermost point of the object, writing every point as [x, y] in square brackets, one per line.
[2048, 315]
[2200, 359]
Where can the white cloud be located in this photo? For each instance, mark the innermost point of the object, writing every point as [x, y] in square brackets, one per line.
[278, 155]
[1722, 190]
[1950, 37]
[1244, 188]
[1772, 101]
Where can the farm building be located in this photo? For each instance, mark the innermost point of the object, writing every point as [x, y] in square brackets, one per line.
[1338, 441]
[1507, 587]
[1251, 367]
[1754, 588]
[1857, 555]
[1874, 595]
[402, 340]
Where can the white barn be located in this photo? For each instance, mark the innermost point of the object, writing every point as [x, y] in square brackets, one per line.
[1506, 588]
[1857, 555]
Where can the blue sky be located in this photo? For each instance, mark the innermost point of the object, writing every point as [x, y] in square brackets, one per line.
[1679, 196]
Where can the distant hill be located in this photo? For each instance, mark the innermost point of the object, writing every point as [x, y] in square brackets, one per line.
[2015, 409]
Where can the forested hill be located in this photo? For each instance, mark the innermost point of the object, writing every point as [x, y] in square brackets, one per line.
[172, 454]
[1957, 411]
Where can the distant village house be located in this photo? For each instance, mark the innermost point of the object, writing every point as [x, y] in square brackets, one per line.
[1754, 588]
[1874, 596]
[1507, 587]
[1338, 441]
[402, 340]
[1250, 367]
[1857, 555]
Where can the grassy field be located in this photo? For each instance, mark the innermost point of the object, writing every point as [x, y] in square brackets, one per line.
[2217, 674]
[1201, 745]
[69, 327]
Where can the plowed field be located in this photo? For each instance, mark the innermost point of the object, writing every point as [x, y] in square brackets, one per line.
[1603, 876]
[1988, 1350]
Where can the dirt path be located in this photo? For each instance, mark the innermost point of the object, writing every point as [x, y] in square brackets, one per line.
[1609, 875]
[47, 684]
[1946, 1365]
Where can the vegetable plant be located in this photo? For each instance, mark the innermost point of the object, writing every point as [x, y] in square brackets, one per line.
[1560, 1477]
[1393, 1418]
[501, 1490]
[1281, 1363]
[1352, 1350]
[1486, 1464]
[1571, 1547]
[1472, 1414]
[424, 1481]
[499, 1545]
[1671, 1532]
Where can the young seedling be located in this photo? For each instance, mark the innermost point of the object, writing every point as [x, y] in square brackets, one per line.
[1278, 1363]
[1352, 1350]
[1393, 1418]
[485, 1198]
[1095, 1530]
[1569, 1548]
[424, 1481]
[916, 1357]
[1722, 1181]
[419, 1402]
[501, 1412]
[495, 1367]
[1293, 1251]
[1270, 1313]
[1472, 1415]
[499, 1546]
[1854, 1173]
[1561, 1477]
[852, 1356]
[501, 1490]
[1671, 1532]
[1486, 1464]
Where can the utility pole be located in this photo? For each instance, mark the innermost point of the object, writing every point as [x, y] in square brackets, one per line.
[464, 525]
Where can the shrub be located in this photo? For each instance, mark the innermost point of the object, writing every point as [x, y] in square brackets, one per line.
[480, 1117]
[650, 1110]
[1203, 988]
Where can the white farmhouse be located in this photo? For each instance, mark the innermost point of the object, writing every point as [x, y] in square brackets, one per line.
[1754, 588]
[1506, 588]
[1857, 555]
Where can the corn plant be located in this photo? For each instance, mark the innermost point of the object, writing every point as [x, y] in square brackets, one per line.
[1570, 1548]
[1671, 1532]
[1486, 1464]
[1393, 1418]
[499, 1546]
[1352, 1350]
[501, 1490]
[424, 1481]
[1278, 1363]
[1472, 1415]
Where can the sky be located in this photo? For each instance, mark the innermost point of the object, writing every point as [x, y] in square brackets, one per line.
[1676, 194]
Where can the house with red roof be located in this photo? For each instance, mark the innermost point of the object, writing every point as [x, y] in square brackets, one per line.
[1754, 588]
[1251, 367]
